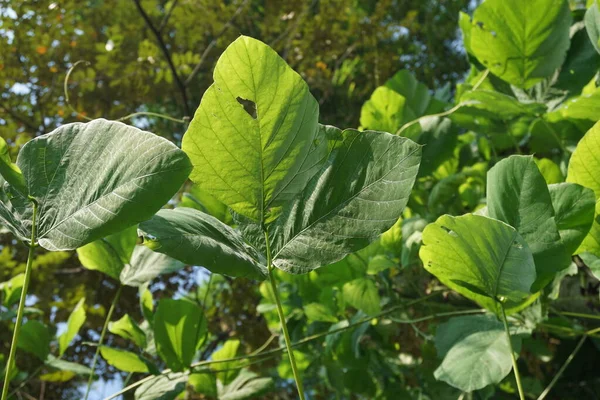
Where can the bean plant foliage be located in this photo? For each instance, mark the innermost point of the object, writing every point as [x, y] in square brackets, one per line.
[477, 203]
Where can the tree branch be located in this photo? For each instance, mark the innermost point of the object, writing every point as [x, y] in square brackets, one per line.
[165, 50]
[163, 23]
[214, 42]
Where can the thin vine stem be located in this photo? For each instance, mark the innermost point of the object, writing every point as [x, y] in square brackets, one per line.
[256, 354]
[512, 355]
[562, 369]
[102, 334]
[286, 335]
[121, 119]
[13, 347]
[447, 112]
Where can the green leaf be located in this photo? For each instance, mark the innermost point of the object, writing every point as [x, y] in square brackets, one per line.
[179, 328]
[11, 290]
[363, 295]
[319, 312]
[63, 365]
[549, 170]
[247, 385]
[483, 259]
[584, 170]
[228, 371]
[518, 195]
[76, 320]
[521, 42]
[110, 254]
[581, 63]
[417, 95]
[125, 360]
[359, 194]
[380, 263]
[162, 387]
[257, 158]
[145, 265]
[384, 111]
[205, 202]
[34, 338]
[592, 25]
[439, 138]
[91, 180]
[196, 238]
[476, 352]
[204, 383]
[574, 207]
[586, 106]
[10, 171]
[128, 329]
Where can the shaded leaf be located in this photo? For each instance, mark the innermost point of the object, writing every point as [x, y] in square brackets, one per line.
[483, 259]
[359, 194]
[179, 328]
[76, 320]
[120, 174]
[517, 194]
[196, 238]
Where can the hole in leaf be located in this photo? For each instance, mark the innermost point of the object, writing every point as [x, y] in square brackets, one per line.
[249, 106]
[449, 231]
[517, 245]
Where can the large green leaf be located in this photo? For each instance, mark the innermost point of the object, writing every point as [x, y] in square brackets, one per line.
[521, 42]
[227, 369]
[475, 350]
[125, 360]
[251, 138]
[197, 238]
[584, 169]
[359, 194]
[586, 106]
[247, 385]
[91, 180]
[592, 25]
[34, 338]
[518, 195]
[110, 254]
[76, 320]
[10, 171]
[127, 328]
[179, 328]
[418, 98]
[384, 111]
[145, 265]
[574, 207]
[483, 259]
[119, 257]
[162, 387]
[362, 294]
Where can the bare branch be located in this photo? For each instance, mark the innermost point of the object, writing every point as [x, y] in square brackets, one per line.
[167, 55]
[214, 42]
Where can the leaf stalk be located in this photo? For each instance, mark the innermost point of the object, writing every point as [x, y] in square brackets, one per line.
[13, 347]
[286, 335]
[102, 334]
[512, 354]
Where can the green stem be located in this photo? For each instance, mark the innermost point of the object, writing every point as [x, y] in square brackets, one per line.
[259, 353]
[286, 335]
[13, 347]
[562, 369]
[512, 354]
[104, 328]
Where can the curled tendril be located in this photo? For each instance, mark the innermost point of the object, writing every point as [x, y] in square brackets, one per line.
[126, 117]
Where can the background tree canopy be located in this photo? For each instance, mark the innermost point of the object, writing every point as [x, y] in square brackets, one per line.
[124, 57]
